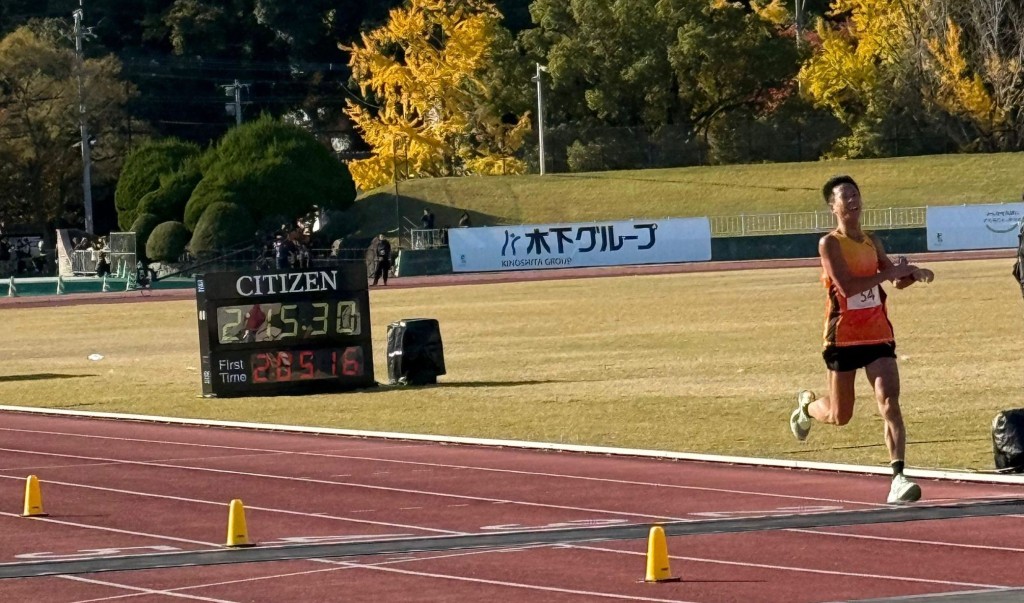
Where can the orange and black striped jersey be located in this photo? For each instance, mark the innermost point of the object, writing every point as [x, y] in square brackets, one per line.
[861, 319]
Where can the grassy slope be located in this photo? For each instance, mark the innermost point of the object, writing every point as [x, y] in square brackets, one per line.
[697, 191]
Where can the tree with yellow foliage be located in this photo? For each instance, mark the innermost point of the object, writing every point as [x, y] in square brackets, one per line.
[425, 70]
[977, 48]
[944, 69]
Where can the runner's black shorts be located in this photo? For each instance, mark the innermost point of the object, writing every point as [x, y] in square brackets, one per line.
[853, 357]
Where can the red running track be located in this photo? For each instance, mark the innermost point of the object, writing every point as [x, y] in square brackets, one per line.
[115, 488]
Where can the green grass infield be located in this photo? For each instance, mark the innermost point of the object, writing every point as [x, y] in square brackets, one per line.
[700, 362]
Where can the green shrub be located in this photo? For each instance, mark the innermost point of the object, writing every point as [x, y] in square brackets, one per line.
[222, 226]
[167, 242]
[142, 171]
[143, 227]
[275, 168]
[206, 193]
[168, 201]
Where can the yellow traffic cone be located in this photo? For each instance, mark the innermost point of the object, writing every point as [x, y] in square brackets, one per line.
[657, 558]
[33, 498]
[238, 534]
[60, 285]
[106, 286]
[12, 291]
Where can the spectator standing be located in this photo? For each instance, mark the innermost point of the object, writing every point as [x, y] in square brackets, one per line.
[39, 258]
[102, 264]
[383, 256]
[282, 252]
[427, 220]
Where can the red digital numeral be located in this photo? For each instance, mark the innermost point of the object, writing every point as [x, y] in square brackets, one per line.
[283, 370]
[260, 366]
[352, 362]
[306, 364]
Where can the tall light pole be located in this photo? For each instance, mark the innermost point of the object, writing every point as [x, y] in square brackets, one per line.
[83, 124]
[540, 114]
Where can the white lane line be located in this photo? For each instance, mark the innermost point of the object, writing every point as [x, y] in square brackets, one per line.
[411, 559]
[248, 507]
[470, 467]
[983, 547]
[939, 474]
[347, 484]
[520, 585]
[73, 524]
[806, 569]
[146, 591]
[334, 568]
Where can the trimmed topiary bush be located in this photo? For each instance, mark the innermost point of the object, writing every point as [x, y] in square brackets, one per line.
[275, 168]
[222, 226]
[143, 227]
[142, 171]
[167, 242]
[206, 193]
[168, 201]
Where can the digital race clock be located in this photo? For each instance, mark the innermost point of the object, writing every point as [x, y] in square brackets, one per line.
[284, 332]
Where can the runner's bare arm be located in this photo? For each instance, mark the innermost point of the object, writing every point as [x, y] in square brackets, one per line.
[919, 275]
[848, 284]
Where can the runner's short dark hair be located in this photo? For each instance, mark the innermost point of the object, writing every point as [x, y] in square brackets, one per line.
[833, 182]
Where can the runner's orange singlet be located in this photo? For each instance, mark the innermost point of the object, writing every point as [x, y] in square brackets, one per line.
[861, 319]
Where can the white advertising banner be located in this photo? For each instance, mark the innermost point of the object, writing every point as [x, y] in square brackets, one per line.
[539, 246]
[988, 226]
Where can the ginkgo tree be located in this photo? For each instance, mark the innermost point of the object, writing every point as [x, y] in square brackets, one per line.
[423, 71]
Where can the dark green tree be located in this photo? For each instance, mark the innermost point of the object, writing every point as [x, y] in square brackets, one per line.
[40, 153]
[648, 64]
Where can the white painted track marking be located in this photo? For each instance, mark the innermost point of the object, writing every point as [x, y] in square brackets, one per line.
[73, 524]
[520, 585]
[147, 591]
[518, 444]
[222, 504]
[451, 466]
[308, 480]
[807, 569]
[461, 467]
[982, 547]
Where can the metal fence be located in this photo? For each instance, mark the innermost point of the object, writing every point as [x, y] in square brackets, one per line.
[119, 250]
[813, 221]
[432, 238]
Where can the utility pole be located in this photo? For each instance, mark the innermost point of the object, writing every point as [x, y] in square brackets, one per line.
[235, 109]
[83, 124]
[394, 169]
[540, 114]
[798, 10]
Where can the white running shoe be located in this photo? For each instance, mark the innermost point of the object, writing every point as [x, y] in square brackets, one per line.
[903, 491]
[800, 421]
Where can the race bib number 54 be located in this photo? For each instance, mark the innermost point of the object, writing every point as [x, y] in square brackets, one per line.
[864, 299]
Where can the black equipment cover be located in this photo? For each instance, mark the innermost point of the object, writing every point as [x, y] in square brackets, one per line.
[415, 351]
